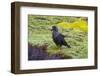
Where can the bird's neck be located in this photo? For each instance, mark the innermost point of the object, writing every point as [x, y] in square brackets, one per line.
[55, 31]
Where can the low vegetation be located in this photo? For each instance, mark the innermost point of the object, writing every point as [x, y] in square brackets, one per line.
[74, 28]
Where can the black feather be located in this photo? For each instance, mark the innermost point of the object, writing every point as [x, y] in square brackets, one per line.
[58, 38]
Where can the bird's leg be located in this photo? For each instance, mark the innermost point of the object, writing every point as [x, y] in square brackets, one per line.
[60, 48]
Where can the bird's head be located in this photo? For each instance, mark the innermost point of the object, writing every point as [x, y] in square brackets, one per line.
[54, 28]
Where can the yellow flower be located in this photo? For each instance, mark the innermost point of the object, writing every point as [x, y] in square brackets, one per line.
[78, 24]
[64, 25]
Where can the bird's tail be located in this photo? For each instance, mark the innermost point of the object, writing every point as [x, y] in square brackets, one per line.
[68, 45]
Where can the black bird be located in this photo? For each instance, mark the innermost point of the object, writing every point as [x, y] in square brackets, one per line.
[58, 38]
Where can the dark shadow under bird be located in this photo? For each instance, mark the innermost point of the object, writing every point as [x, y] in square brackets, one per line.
[58, 38]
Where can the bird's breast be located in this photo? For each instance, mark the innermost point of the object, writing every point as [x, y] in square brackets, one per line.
[55, 34]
